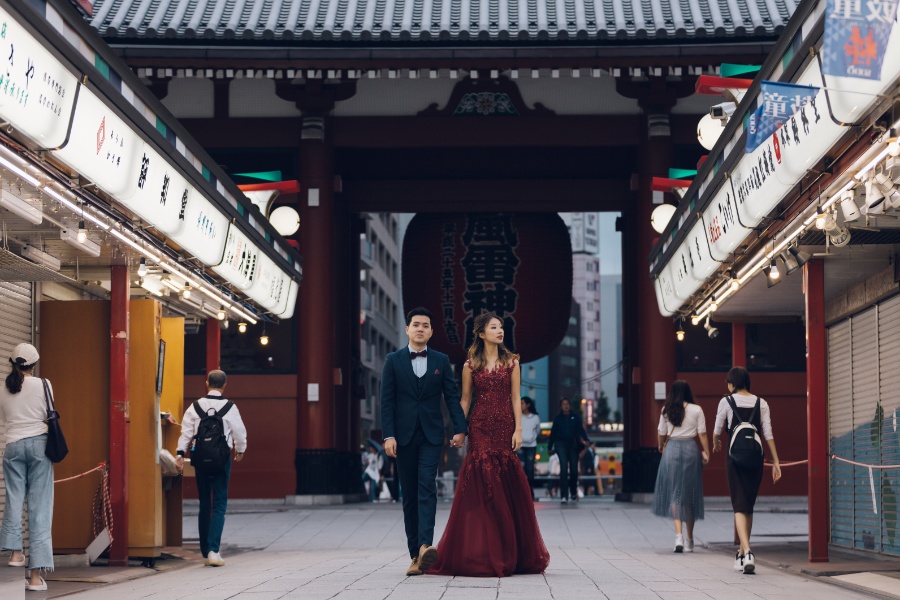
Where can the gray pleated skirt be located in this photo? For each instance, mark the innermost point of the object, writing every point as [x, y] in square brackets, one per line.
[679, 482]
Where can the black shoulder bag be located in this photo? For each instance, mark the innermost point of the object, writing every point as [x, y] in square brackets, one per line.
[56, 441]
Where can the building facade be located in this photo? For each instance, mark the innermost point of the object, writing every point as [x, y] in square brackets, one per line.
[380, 311]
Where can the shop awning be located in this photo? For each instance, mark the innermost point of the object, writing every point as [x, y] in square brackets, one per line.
[86, 147]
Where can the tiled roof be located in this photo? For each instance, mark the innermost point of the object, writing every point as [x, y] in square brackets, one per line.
[439, 20]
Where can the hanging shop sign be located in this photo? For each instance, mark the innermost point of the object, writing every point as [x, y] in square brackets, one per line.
[203, 230]
[160, 193]
[102, 147]
[856, 37]
[37, 92]
[764, 176]
[291, 301]
[271, 286]
[516, 265]
[241, 257]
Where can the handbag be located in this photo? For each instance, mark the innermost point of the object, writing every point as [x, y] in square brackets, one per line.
[56, 441]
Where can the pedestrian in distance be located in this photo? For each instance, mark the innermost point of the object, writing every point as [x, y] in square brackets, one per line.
[745, 416]
[567, 439]
[413, 381]
[27, 470]
[679, 481]
[531, 427]
[372, 473]
[212, 429]
[492, 530]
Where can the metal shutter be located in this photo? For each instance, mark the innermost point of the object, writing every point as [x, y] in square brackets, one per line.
[889, 423]
[16, 311]
[864, 426]
[840, 427]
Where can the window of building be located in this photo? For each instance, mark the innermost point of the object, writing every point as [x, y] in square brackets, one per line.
[590, 305]
[532, 372]
[776, 346]
[699, 352]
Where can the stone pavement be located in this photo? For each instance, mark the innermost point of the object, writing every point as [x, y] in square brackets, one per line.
[598, 549]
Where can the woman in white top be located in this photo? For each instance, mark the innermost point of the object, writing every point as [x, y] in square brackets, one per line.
[744, 483]
[531, 426]
[26, 469]
[679, 481]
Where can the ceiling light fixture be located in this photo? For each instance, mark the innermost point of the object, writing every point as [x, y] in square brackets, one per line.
[19, 207]
[142, 267]
[72, 238]
[221, 314]
[40, 257]
[186, 292]
[81, 236]
[242, 327]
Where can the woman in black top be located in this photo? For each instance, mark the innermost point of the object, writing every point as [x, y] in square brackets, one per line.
[566, 436]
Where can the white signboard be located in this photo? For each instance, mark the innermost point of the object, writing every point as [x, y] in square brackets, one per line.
[270, 285]
[291, 301]
[763, 177]
[160, 192]
[103, 148]
[36, 91]
[204, 229]
[241, 256]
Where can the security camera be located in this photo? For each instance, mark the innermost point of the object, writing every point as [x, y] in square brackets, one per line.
[711, 331]
[722, 111]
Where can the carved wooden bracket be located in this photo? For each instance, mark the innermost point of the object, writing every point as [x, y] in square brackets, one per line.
[486, 98]
[315, 96]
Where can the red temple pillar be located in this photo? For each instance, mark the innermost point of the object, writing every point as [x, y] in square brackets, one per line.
[120, 296]
[213, 345]
[315, 319]
[651, 353]
[816, 409]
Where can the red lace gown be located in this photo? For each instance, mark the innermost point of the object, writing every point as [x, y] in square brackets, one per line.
[492, 530]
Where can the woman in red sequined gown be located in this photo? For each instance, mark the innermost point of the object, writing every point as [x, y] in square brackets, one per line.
[492, 530]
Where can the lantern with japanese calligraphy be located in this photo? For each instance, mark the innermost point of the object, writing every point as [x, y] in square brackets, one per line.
[516, 265]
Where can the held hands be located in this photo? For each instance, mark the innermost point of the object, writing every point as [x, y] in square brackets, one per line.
[517, 440]
[717, 444]
[390, 447]
[458, 440]
[179, 463]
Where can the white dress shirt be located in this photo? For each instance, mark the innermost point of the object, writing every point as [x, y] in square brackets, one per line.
[419, 363]
[692, 424]
[235, 432]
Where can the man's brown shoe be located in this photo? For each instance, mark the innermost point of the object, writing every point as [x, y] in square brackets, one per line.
[427, 557]
[414, 568]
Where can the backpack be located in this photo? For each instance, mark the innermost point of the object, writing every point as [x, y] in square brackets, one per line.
[745, 447]
[210, 452]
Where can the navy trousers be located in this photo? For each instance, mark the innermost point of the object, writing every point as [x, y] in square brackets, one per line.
[213, 492]
[417, 463]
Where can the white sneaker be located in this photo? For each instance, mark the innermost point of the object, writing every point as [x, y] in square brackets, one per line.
[679, 543]
[749, 563]
[689, 545]
[564, 501]
[738, 561]
[214, 559]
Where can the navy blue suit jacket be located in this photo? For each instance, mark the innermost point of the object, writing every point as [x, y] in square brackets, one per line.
[402, 404]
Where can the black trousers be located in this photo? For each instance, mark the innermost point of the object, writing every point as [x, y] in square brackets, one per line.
[568, 471]
[417, 463]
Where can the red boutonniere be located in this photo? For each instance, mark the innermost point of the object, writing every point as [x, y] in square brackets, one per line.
[437, 371]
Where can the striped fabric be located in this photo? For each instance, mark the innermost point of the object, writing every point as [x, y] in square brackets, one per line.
[440, 20]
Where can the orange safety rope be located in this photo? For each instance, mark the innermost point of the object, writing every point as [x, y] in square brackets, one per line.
[859, 464]
[99, 467]
[789, 464]
[102, 507]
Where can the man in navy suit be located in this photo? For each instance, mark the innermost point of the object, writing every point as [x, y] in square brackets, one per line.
[413, 380]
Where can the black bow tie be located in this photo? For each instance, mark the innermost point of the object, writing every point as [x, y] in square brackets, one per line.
[423, 354]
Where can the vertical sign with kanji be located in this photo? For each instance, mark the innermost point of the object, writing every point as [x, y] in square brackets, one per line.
[516, 265]
[856, 37]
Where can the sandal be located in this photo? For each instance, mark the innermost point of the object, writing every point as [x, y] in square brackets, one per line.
[16, 563]
[42, 587]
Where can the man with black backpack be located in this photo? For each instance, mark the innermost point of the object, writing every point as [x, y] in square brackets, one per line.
[211, 429]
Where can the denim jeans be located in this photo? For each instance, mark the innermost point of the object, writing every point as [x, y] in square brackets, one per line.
[28, 474]
[568, 471]
[213, 491]
[526, 455]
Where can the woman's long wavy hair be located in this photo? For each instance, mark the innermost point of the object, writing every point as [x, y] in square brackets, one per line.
[476, 350]
[678, 395]
[16, 376]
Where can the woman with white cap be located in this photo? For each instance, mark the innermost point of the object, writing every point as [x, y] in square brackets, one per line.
[26, 469]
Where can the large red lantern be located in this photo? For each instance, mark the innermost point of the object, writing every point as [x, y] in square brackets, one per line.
[516, 265]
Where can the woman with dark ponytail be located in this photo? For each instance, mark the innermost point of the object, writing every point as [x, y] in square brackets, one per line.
[27, 471]
[679, 481]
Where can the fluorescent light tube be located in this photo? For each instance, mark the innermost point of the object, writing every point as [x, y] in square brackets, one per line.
[70, 236]
[40, 257]
[16, 205]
